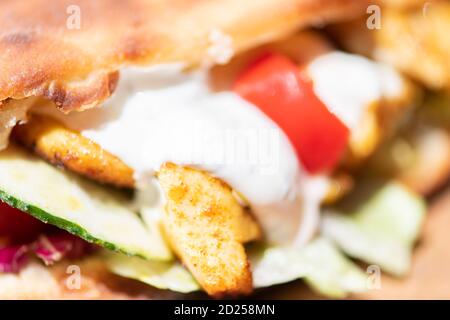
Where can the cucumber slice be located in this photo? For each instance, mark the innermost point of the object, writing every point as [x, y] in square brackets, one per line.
[93, 212]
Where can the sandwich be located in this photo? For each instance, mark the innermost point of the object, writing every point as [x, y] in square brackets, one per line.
[188, 146]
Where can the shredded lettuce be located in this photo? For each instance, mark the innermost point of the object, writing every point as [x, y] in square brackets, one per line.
[320, 263]
[382, 230]
[162, 275]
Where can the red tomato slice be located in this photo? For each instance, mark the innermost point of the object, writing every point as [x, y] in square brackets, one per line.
[278, 87]
[17, 225]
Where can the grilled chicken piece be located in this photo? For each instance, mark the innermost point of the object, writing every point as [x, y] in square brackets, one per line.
[69, 149]
[203, 225]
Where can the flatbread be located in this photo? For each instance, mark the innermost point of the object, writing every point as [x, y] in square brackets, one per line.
[69, 50]
[61, 281]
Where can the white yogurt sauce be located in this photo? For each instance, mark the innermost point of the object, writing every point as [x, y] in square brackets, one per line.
[349, 83]
[161, 114]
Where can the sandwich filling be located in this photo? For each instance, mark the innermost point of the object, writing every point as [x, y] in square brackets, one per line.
[162, 114]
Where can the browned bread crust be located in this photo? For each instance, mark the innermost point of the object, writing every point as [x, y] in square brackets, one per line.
[37, 281]
[43, 53]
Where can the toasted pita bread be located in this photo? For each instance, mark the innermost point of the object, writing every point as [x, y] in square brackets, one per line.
[45, 52]
[61, 281]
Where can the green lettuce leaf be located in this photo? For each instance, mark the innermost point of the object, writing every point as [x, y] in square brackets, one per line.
[163, 275]
[381, 230]
[320, 263]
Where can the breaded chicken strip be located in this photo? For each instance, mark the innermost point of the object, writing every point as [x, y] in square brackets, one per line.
[202, 225]
[69, 149]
